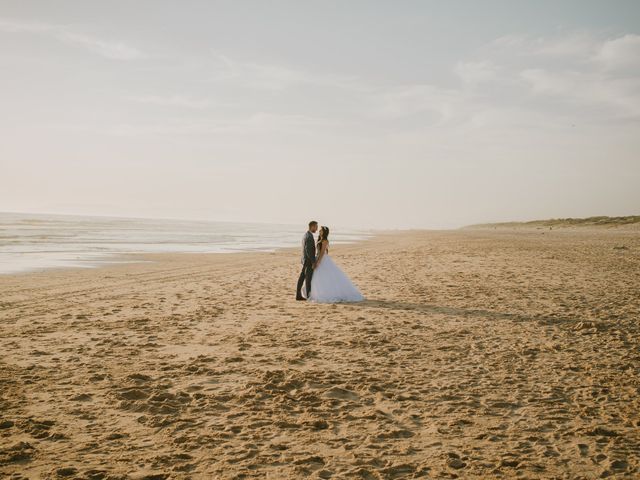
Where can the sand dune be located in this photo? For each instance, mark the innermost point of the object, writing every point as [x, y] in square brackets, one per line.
[478, 354]
[629, 222]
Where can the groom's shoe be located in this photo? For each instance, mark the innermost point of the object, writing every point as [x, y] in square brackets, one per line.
[300, 298]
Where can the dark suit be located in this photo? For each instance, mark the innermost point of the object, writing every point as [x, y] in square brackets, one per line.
[308, 259]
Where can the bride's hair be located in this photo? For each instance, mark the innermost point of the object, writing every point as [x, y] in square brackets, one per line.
[324, 235]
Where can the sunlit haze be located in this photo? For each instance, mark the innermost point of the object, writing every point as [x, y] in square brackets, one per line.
[413, 114]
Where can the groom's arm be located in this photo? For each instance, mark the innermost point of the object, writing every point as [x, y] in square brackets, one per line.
[311, 249]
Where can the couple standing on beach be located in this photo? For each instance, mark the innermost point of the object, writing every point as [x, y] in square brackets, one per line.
[330, 284]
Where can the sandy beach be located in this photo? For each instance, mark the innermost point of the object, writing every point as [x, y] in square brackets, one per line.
[478, 354]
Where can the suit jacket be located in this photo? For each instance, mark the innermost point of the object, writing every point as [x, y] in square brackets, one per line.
[308, 248]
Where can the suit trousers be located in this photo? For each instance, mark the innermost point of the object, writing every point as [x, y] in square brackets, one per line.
[305, 276]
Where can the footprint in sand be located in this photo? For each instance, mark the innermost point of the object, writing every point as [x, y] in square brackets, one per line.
[341, 394]
[82, 397]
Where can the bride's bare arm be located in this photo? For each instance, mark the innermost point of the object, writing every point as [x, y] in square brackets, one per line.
[323, 248]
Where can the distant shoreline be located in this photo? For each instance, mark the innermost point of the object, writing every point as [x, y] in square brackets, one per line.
[32, 242]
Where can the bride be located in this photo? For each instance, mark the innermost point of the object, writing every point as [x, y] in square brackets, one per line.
[330, 284]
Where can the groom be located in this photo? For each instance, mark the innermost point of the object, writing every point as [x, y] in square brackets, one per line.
[308, 260]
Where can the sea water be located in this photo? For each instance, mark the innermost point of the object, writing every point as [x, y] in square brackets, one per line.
[37, 241]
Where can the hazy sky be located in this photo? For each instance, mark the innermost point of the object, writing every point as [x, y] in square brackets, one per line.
[356, 113]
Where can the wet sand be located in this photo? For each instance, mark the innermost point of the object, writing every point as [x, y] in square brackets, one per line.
[478, 354]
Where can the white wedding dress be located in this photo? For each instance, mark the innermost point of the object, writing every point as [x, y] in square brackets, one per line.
[329, 284]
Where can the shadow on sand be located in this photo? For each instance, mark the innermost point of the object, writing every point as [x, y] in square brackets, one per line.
[463, 312]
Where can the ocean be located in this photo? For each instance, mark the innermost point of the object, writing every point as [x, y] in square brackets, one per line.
[31, 242]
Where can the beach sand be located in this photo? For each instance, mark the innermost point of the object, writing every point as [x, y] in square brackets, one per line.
[478, 354]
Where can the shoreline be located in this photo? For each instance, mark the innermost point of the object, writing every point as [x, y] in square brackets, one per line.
[37, 242]
[115, 259]
[122, 259]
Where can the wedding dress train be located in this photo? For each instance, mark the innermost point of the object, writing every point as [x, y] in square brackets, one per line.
[330, 284]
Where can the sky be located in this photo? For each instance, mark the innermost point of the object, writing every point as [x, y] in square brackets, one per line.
[396, 114]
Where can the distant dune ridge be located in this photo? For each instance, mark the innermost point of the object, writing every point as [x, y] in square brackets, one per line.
[601, 221]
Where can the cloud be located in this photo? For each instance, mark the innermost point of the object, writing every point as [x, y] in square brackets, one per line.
[275, 77]
[611, 97]
[19, 26]
[106, 48]
[571, 44]
[399, 101]
[541, 82]
[181, 101]
[620, 54]
[576, 45]
[597, 74]
[515, 81]
[474, 73]
[258, 123]
[577, 75]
